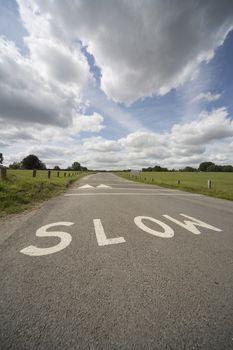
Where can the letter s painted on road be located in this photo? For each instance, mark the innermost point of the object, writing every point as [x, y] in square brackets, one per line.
[42, 232]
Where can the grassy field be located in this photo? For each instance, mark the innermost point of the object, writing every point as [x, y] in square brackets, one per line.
[222, 183]
[21, 191]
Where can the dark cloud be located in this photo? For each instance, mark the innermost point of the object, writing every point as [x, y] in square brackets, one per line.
[20, 107]
[142, 48]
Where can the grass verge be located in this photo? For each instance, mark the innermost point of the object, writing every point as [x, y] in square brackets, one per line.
[21, 191]
[222, 183]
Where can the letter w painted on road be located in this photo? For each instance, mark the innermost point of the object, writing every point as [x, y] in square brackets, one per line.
[191, 225]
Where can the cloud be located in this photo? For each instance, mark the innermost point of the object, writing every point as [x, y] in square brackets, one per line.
[209, 137]
[3, 144]
[49, 152]
[90, 123]
[56, 145]
[13, 131]
[186, 144]
[141, 48]
[60, 64]
[210, 126]
[99, 144]
[207, 97]
[25, 94]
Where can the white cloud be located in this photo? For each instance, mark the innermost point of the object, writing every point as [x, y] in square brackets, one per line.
[99, 144]
[207, 97]
[56, 145]
[60, 64]
[13, 131]
[210, 137]
[28, 95]
[90, 123]
[210, 126]
[142, 48]
[186, 144]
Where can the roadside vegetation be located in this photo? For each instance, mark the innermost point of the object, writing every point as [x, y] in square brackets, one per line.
[193, 181]
[22, 191]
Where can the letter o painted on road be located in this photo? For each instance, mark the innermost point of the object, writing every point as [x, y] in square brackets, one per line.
[167, 230]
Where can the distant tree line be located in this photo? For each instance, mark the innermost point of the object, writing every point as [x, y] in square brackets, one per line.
[204, 166]
[33, 162]
[210, 166]
[155, 168]
[77, 166]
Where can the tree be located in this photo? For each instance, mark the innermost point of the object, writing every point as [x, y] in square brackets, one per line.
[147, 169]
[1, 158]
[227, 168]
[15, 165]
[155, 168]
[214, 167]
[203, 166]
[76, 166]
[189, 169]
[220, 168]
[159, 168]
[32, 162]
[56, 167]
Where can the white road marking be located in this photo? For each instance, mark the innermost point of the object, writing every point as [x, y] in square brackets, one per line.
[42, 232]
[131, 194]
[134, 188]
[191, 225]
[101, 237]
[167, 233]
[103, 186]
[86, 186]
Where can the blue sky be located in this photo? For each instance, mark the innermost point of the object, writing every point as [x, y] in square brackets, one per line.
[117, 85]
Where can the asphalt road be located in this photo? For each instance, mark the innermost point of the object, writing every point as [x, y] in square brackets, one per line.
[115, 280]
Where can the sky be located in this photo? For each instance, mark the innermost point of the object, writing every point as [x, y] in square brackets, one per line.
[117, 84]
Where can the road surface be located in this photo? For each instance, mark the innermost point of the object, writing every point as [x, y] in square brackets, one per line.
[119, 266]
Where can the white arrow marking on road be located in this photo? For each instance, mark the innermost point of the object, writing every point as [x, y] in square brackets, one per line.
[86, 186]
[101, 237]
[103, 186]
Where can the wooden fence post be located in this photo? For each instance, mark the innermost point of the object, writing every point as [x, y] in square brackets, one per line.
[34, 173]
[58, 174]
[209, 184]
[178, 182]
[3, 173]
[49, 174]
[64, 174]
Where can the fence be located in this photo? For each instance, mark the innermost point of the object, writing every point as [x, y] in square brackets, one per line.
[140, 177]
[3, 173]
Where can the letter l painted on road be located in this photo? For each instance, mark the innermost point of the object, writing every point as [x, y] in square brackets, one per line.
[101, 237]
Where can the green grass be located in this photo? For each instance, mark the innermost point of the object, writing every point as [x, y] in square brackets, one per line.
[222, 183]
[21, 191]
